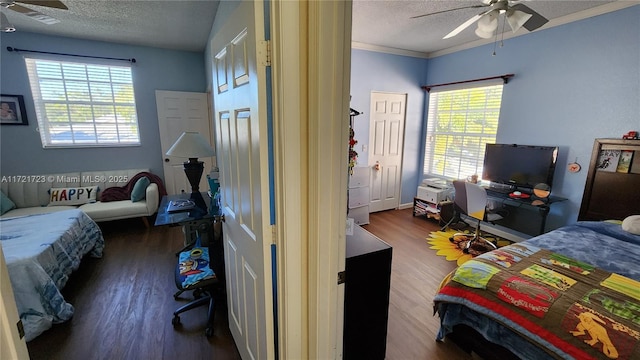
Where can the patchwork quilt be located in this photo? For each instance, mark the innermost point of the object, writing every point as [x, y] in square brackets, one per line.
[540, 303]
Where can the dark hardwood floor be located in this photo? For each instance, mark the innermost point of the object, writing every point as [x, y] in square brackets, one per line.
[124, 304]
[416, 273]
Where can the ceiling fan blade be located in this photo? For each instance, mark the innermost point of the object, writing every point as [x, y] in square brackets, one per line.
[448, 10]
[34, 14]
[46, 3]
[536, 19]
[466, 24]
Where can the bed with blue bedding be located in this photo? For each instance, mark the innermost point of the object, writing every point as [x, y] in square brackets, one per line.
[572, 293]
[41, 252]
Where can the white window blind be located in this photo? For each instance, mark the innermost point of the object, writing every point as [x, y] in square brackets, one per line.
[459, 124]
[83, 104]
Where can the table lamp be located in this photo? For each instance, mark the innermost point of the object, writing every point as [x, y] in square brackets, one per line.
[192, 145]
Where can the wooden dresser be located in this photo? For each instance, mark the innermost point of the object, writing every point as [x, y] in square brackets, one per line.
[612, 190]
[366, 296]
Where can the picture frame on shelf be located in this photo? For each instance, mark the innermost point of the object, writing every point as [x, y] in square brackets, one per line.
[608, 160]
[12, 110]
[624, 164]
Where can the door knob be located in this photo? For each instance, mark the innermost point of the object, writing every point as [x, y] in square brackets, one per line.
[376, 167]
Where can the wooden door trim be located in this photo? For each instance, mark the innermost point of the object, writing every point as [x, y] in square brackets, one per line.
[311, 172]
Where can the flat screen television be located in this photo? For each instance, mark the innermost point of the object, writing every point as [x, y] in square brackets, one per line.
[522, 166]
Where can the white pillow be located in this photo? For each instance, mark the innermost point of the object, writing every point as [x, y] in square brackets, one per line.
[632, 224]
[72, 196]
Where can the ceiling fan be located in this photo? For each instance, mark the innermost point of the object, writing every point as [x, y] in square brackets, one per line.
[516, 14]
[14, 6]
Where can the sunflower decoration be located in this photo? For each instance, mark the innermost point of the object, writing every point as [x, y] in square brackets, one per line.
[451, 250]
[452, 247]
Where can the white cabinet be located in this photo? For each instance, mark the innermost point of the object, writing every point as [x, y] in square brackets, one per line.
[359, 195]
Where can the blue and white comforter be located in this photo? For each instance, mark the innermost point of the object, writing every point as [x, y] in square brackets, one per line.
[41, 252]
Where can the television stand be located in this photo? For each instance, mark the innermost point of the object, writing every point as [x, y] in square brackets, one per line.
[522, 214]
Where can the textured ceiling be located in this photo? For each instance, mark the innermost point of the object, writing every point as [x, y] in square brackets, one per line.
[389, 23]
[185, 24]
[174, 24]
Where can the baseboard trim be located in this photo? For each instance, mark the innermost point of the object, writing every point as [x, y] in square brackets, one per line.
[405, 206]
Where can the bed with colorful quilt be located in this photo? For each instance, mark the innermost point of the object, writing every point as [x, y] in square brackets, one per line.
[41, 252]
[572, 293]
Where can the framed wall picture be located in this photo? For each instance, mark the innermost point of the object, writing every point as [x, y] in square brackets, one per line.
[12, 110]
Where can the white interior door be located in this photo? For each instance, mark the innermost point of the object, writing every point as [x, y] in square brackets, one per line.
[179, 112]
[240, 99]
[386, 138]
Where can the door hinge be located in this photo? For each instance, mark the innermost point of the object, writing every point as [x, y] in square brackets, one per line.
[264, 52]
[274, 235]
[342, 277]
[20, 328]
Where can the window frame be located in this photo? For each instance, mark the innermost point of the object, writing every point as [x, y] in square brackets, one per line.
[479, 127]
[118, 98]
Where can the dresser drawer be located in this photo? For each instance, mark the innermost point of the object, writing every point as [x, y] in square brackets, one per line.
[360, 215]
[360, 177]
[358, 196]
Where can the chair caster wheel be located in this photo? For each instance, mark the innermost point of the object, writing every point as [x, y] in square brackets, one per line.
[175, 321]
[208, 332]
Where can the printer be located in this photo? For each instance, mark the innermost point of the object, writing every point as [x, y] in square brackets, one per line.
[434, 190]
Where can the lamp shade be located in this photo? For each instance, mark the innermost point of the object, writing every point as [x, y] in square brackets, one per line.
[488, 24]
[483, 34]
[517, 18]
[191, 145]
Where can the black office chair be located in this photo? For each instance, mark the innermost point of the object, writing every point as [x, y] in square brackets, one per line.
[471, 200]
[201, 269]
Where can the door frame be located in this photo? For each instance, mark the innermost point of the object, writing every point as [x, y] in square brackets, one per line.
[12, 342]
[310, 172]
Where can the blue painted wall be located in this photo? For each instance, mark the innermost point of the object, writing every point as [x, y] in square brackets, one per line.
[155, 69]
[573, 83]
[371, 71]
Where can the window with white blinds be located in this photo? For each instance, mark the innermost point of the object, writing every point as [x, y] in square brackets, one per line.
[460, 122]
[83, 104]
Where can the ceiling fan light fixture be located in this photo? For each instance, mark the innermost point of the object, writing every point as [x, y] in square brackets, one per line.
[489, 22]
[517, 18]
[5, 25]
[484, 34]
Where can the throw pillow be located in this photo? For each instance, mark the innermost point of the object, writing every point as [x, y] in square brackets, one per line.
[72, 196]
[5, 203]
[632, 224]
[139, 191]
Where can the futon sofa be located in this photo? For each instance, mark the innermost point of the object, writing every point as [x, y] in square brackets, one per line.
[37, 194]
